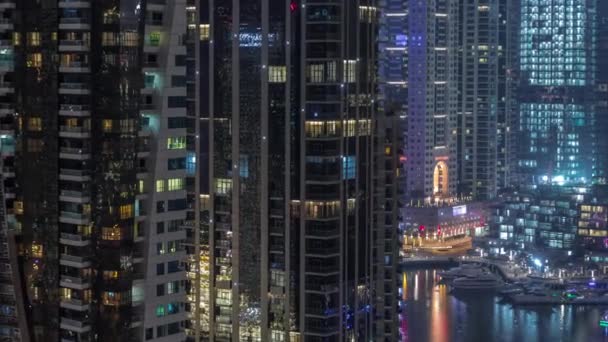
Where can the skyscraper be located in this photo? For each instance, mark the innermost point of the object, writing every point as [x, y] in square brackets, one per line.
[557, 106]
[296, 155]
[94, 159]
[431, 147]
[485, 111]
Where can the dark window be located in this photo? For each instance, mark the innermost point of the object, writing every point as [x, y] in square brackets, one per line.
[178, 81]
[179, 122]
[160, 269]
[160, 290]
[176, 163]
[149, 333]
[173, 266]
[173, 328]
[177, 204]
[180, 60]
[177, 101]
[160, 227]
[160, 206]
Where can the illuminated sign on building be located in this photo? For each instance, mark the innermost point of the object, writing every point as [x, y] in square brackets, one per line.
[459, 210]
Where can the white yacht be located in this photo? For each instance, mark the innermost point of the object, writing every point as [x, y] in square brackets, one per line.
[461, 271]
[485, 281]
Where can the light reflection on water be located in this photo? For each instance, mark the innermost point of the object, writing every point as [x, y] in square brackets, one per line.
[432, 314]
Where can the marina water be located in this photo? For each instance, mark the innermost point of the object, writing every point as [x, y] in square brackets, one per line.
[431, 314]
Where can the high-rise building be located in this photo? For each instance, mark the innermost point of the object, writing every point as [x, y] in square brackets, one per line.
[297, 239]
[431, 148]
[485, 111]
[557, 99]
[94, 155]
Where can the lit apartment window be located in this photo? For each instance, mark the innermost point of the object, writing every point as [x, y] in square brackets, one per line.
[277, 74]
[18, 205]
[107, 125]
[160, 185]
[110, 233]
[365, 127]
[111, 298]
[110, 275]
[160, 310]
[34, 60]
[141, 186]
[204, 32]
[349, 167]
[367, 14]
[16, 38]
[350, 71]
[108, 39]
[316, 73]
[350, 128]
[223, 186]
[126, 211]
[37, 250]
[314, 129]
[176, 184]
[34, 124]
[154, 38]
[33, 38]
[176, 143]
[130, 39]
[160, 248]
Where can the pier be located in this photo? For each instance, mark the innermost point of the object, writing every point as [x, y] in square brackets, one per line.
[507, 272]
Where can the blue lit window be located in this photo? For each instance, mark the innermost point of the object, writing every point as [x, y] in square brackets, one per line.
[172, 308]
[191, 163]
[244, 166]
[349, 167]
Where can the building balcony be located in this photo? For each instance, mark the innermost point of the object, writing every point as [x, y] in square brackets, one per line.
[74, 3]
[76, 240]
[74, 175]
[7, 4]
[69, 88]
[74, 196]
[74, 132]
[74, 304]
[74, 24]
[74, 45]
[76, 283]
[74, 153]
[74, 67]
[74, 110]
[74, 261]
[77, 326]
[6, 24]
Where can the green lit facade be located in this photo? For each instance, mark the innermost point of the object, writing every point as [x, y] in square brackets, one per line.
[557, 110]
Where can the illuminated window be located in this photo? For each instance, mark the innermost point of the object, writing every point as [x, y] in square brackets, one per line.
[16, 38]
[154, 38]
[141, 186]
[110, 233]
[110, 275]
[349, 167]
[160, 248]
[18, 205]
[33, 38]
[350, 128]
[130, 39]
[277, 74]
[176, 143]
[172, 246]
[367, 14]
[34, 60]
[204, 32]
[350, 71]
[176, 184]
[109, 39]
[172, 308]
[111, 298]
[126, 211]
[223, 186]
[107, 125]
[37, 250]
[160, 310]
[173, 287]
[160, 185]
[314, 129]
[34, 124]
